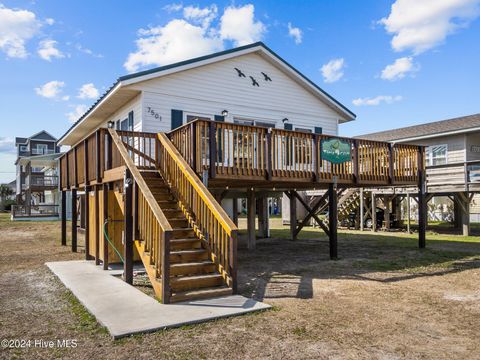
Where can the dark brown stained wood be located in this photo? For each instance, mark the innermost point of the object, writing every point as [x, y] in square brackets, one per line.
[97, 225]
[193, 142]
[64, 218]
[391, 176]
[75, 167]
[67, 166]
[235, 211]
[135, 211]
[85, 162]
[128, 222]
[355, 162]
[374, 212]
[422, 203]
[165, 267]
[316, 158]
[269, 154]
[108, 151]
[74, 220]
[86, 207]
[105, 219]
[251, 219]
[98, 156]
[332, 220]
[233, 261]
[311, 212]
[212, 132]
[293, 215]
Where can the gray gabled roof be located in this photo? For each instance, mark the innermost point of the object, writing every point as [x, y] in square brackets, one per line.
[161, 69]
[436, 128]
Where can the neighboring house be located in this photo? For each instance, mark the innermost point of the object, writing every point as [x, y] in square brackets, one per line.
[452, 159]
[37, 177]
[249, 85]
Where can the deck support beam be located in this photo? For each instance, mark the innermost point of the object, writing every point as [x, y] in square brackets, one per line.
[463, 201]
[97, 225]
[74, 220]
[251, 219]
[64, 218]
[128, 229]
[408, 212]
[263, 217]
[374, 212]
[332, 220]
[362, 207]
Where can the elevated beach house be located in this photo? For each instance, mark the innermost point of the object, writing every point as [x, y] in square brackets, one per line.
[164, 153]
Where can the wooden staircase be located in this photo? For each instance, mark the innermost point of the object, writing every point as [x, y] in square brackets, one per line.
[193, 274]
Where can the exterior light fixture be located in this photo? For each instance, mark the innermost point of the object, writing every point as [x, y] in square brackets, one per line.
[225, 113]
[110, 124]
[284, 120]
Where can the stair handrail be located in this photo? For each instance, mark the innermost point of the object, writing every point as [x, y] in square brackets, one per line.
[216, 209]
[142, 185]
[160, 245]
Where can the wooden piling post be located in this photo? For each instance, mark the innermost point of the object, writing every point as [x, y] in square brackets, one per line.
[362, 207]
[422, 203]
[128, 229]
[332, 220]
[293, 216]
[64, 218]
[86, 208]
[251, 219]
[105, 219]
[74, 220]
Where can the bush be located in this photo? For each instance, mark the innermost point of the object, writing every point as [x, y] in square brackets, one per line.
[7, 205]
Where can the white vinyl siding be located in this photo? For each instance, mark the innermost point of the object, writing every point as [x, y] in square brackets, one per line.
[215, 87]
[455, 146]
[121, 114]
[473, 147]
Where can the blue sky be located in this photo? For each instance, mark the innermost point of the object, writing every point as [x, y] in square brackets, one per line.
[393, 63]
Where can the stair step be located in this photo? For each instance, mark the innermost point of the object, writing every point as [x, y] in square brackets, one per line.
[185, 244]
[183, 233]
[200, 294]
[184, 283]
[188, 255]
[192, 268]
[150, 174]
[173, 213]
[178, 222]
[162, 196]
[168, 204]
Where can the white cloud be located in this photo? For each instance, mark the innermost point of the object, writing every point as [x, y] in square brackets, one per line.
[7, 145]
[422, 25]
[295, 33]
[387, 99]
[203, 16]
[194, 35]
[87, 51]
[47, 50]
[88, 91]
[176, 41]
[51, 90]
[399, 69]
[49, 21]
[333, 70]
[238, 24]
[16, 28]
[76, 113]
[173, 7]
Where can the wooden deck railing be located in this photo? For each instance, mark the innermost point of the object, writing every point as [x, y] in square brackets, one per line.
[209, 220]
[233, 151]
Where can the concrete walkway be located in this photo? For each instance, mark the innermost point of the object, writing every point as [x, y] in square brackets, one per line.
[125, 310]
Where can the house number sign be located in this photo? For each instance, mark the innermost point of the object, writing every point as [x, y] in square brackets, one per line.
[475, 148]
[152, 113]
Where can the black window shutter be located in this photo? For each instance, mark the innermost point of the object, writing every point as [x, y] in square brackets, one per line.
[177, 118]
[219, 118]
[318, 130]
[130, 121]
[287, 126]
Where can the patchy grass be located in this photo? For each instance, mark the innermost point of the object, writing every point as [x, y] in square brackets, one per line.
[384, 298]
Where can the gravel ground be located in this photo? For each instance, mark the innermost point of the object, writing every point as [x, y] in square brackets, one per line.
[383, 299]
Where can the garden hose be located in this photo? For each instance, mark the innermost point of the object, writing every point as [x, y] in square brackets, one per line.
[108, 239]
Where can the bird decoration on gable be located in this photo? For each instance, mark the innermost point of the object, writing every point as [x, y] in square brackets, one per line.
[240, 73]
[254, 82]
[266, 77]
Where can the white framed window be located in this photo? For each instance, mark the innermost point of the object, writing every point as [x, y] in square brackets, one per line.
[23, 148]
[189, 117]
[303, 130]
[437, 155]
[40, 149]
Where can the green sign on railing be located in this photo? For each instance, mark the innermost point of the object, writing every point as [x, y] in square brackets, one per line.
[336, 151]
